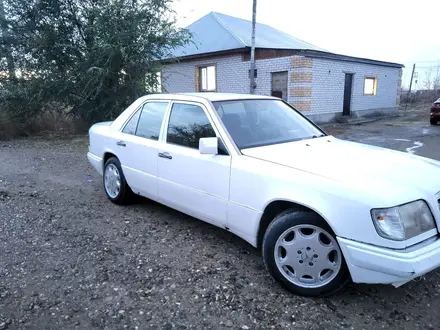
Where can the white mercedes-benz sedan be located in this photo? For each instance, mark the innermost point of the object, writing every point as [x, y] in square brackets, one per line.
[322, 210]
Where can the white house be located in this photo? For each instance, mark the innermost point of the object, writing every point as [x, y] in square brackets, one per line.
[321, 84]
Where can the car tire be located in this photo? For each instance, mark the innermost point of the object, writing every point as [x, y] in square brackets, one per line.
[302, 240]
[433, 121]
[115, 185]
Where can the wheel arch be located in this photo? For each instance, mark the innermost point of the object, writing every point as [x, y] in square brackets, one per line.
[275, 207]
[107, 156]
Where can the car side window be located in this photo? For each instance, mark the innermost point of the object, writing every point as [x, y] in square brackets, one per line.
[130, 127]
[150, 120]
[188, 123]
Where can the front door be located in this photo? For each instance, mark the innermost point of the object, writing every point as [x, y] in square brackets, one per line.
[189, 181]
[279, 85]
[347, 94]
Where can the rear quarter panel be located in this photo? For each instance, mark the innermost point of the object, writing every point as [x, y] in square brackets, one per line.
[101, 137]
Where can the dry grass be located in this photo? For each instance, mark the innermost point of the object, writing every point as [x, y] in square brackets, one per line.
[49, 122]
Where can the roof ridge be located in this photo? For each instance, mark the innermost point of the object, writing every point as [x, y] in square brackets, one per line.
[220, 21]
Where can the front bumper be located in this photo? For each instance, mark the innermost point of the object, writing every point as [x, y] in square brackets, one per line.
[372, 264]
[435, 115]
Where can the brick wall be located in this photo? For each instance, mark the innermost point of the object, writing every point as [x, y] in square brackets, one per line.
[315, 86]
[328, 86]
[301, 83]
[232, 74]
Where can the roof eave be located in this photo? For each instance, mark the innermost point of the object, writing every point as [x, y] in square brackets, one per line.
[346, 58]
[203, 55]
[303, 52]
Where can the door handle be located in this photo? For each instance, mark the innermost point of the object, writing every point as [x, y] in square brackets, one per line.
[165, 155]
[121, 143]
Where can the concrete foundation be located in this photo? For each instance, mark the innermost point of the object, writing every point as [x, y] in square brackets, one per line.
[321, 118]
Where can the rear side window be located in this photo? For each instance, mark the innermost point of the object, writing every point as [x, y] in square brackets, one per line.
[130, 127]
[150, 120]
[187, 125]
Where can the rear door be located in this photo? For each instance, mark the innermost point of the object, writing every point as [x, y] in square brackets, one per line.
[194, 183]
[138, 145]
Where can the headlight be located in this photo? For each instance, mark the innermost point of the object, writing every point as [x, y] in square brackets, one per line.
[403, 222]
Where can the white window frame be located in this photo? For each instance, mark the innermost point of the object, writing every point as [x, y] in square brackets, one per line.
[374, 91]
[200, 78]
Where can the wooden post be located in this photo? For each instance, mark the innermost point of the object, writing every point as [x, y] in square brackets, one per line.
[410, 84]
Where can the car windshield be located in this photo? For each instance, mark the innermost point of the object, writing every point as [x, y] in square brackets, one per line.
[259, 122]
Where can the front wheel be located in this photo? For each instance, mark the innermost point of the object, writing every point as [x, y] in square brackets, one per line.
[433, 121]
[301, 252]
[115, 186]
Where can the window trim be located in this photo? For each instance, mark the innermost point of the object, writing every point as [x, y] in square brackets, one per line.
[139, 108]
[129, 119]
[374, 86]
[208, 115]
[198, 78]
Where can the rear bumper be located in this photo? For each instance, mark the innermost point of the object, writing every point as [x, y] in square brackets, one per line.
[96, 162]
[372, 264]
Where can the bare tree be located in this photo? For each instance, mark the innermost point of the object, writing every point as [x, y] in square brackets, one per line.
[427, 82]
[436, 80]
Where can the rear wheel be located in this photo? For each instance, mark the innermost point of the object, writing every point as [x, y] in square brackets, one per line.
[115, 186]
[433, 121]
[302, 253]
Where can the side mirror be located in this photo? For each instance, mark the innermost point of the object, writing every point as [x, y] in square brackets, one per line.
[208, 146]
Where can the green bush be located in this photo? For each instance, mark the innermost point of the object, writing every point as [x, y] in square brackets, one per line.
[86, 59]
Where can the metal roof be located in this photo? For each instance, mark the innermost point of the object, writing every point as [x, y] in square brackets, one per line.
[216, 32]
[340, 57]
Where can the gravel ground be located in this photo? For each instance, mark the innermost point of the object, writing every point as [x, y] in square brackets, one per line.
[70, 259]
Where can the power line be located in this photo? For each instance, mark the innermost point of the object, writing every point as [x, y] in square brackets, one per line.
[437, 61]
[428, 67]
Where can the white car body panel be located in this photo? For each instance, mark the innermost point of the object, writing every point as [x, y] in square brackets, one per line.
[195, 181]
[332, 167]
[139, 163]
[341, 181]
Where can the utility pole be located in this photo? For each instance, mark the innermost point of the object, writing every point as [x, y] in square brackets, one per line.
[252, 73]
[6, 42]
[410, 83]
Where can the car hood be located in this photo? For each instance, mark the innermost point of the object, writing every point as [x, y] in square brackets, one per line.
[347, 161]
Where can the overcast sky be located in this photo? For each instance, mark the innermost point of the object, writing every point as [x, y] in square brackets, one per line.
[389, 30]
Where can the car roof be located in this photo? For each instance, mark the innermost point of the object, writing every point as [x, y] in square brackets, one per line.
[210, 96]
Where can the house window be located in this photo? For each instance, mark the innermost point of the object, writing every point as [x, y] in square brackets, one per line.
[207, 78]
[370, 86]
